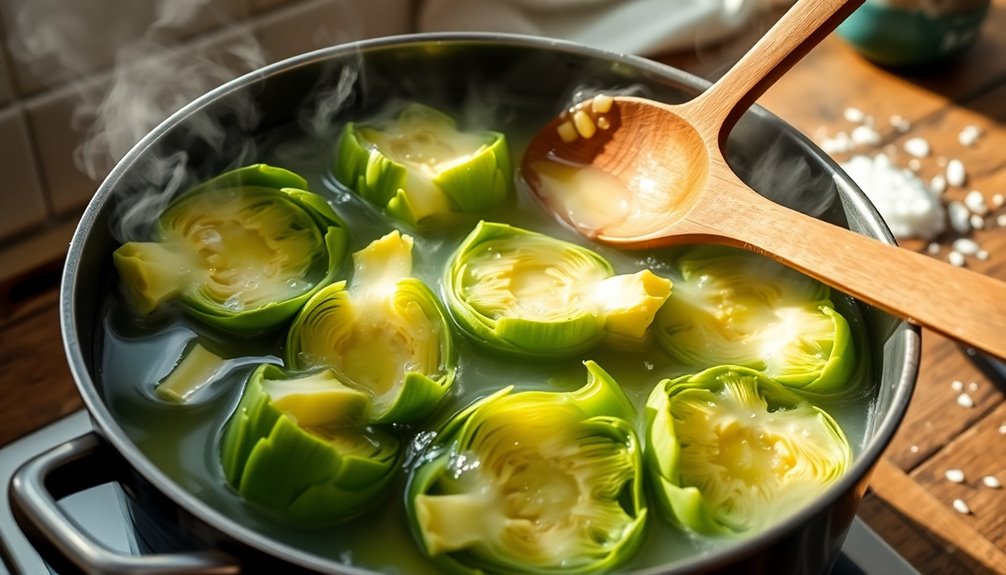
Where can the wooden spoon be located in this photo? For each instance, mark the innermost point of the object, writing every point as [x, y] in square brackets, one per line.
[654, 174]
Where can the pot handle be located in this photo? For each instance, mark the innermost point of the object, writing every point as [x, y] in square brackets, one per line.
[75, 465]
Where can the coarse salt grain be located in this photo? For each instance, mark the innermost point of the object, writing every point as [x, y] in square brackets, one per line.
[1002, 429]
[865, 136]
[960, 217]
[900, 124]
[854, 115]
[955, 475]
[975, 202]
[938, 184]
[998, 200]
[956, 258]
[1001, 220]
[914, 449]
[838, 144]
[966, 246]
[964, 400]
[956, 174]
[917, 147]
[961, 507]
[914, 165]
[933, 248]
[957, 385]
[973, 386]
[976, 221]
[969, 135]
[907, 205]
[992, 482]
[982, 255]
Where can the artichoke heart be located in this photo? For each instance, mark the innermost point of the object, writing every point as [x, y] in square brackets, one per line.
[299, 445]
[732, 307]
[242, 251]
[385, 333]
[419, 166]
[533, 482]
[731, 451]
[529, 294]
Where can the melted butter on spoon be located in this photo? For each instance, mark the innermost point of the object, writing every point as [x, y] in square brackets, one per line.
[598, 201]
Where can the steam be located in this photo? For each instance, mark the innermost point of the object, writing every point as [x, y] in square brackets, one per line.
[153, 75]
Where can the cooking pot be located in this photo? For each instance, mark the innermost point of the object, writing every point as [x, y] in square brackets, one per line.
[538, 77]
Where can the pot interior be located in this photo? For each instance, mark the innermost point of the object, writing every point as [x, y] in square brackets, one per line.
[289, 115]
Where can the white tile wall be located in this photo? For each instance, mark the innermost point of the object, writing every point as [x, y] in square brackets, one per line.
[21, 203]
[38, 130]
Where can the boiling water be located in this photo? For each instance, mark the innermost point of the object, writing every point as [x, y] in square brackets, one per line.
[183, 441]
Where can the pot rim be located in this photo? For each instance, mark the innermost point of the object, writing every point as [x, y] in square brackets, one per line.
[855, 478]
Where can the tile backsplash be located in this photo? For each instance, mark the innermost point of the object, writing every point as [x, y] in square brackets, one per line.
[59, 59]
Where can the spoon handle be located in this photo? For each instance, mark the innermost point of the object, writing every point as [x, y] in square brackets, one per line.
[961, 304]
[800, 29]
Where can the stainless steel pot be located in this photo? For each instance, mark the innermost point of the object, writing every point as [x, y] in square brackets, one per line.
[762, 149]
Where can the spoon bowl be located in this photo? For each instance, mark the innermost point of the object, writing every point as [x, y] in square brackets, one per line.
[636, 173]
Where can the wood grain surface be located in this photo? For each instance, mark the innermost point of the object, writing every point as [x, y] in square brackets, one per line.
[911, 501]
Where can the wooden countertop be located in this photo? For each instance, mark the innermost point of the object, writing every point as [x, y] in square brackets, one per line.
[910, 503]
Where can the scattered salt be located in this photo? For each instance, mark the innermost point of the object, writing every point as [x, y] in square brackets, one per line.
[854, 115]
[900, 124]
[997, 201]
[957, 385]
[917, 147]
[907, 205]
[973, 386]
[961, 507]
[975, 202]
[964, 400]
[938, 184]
[976, 221]
[959, 216]
[969, 135]
[914, 449]
[966, 246]
[838, 144]
[955, 475]
[956, 175]
[933, 248]
[982, 255]
[957, 259]
[865, 136]
[992, 482]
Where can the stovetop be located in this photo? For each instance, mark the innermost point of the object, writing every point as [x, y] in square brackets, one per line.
[103, 512]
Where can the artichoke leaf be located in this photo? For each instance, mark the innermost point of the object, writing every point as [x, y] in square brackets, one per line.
[533, 482]
[299, 445]
[732, 451]
[531, 295]
[420, 168]
[732, 307]
[242, 251]
[385, 332]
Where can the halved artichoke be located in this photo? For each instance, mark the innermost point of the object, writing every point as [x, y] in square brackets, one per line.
[730, 451]
[300, 445]
[386, 333]
[533, 295]
[242, 251]
[420, 167]
[533, 482]
[732, 307]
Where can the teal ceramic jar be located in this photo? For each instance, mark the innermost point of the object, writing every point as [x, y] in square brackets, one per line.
[914, 32]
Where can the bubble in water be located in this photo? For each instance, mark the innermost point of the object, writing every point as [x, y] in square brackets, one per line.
[234, 303]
